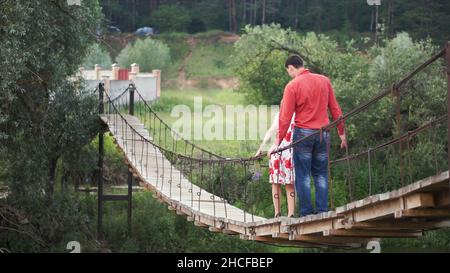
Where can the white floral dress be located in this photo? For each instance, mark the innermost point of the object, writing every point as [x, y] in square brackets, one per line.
[281, 167]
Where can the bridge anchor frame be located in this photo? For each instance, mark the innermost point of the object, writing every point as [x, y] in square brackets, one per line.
[101, 196]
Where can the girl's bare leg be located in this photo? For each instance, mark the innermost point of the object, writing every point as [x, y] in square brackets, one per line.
[276, 197]
[290, 194]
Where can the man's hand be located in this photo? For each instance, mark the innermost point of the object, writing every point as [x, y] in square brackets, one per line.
[271, 150]
[343, 142]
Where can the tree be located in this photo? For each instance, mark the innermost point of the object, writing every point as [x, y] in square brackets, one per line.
[45, 114]
[170, 18]
[233, 19]
[244, 12]
[149, 54]
[390, 17]
[263, 17]
[421, 18]
[254, 9]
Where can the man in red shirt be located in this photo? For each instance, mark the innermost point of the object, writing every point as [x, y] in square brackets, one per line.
[309, 96]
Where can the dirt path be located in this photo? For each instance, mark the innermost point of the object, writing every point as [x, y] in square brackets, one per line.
[182, 71]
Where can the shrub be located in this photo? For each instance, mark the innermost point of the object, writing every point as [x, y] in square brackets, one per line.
[148, 53]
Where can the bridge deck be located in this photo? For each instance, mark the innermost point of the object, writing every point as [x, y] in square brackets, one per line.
[406, 212]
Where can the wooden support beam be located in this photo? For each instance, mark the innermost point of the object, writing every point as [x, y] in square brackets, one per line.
[388, 207]
[237, 228]
[181, 211]
[285, 229]
[267, 229]
[410, 224]
[313, 227]
[215, 230]
[281, 235]
[423, 213]
[271, 240]
[229, 232]
[158, 198]
[199, 224]
[372, 233]
[332, 240]
[442, 199]
[419, 200]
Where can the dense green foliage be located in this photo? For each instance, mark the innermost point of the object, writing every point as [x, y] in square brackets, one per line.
[149, 54]
[343, 19]
[46, 117]
[210, 58]
[358, 76]
[155, 230]
[259, 62]
[200, 55]
[171, 18]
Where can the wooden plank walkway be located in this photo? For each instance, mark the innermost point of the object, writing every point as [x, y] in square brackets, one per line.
[403, 213]
[169, 183]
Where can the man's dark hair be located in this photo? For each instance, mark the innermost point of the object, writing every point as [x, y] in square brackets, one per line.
[294, 60]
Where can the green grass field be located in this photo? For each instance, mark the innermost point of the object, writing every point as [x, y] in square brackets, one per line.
[221, 98]
[209, 56]
[210, 60]
[178, 50]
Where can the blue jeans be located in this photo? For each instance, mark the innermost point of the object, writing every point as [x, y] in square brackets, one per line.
[311, 159]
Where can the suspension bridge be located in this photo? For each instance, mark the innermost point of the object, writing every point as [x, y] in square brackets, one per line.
[218, 193]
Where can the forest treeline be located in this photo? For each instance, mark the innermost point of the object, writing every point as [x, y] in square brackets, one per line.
[420, 18]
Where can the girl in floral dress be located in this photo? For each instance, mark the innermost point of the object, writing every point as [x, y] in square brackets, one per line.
[281, 169]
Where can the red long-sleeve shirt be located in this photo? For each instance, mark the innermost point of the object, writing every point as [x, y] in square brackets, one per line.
[309, 96]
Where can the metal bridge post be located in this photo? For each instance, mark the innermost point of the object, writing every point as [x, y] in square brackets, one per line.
[101, 90]
[132, 89]
[130, 199]
[447, 60]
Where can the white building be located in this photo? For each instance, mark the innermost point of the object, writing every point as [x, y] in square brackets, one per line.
[118, 79]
